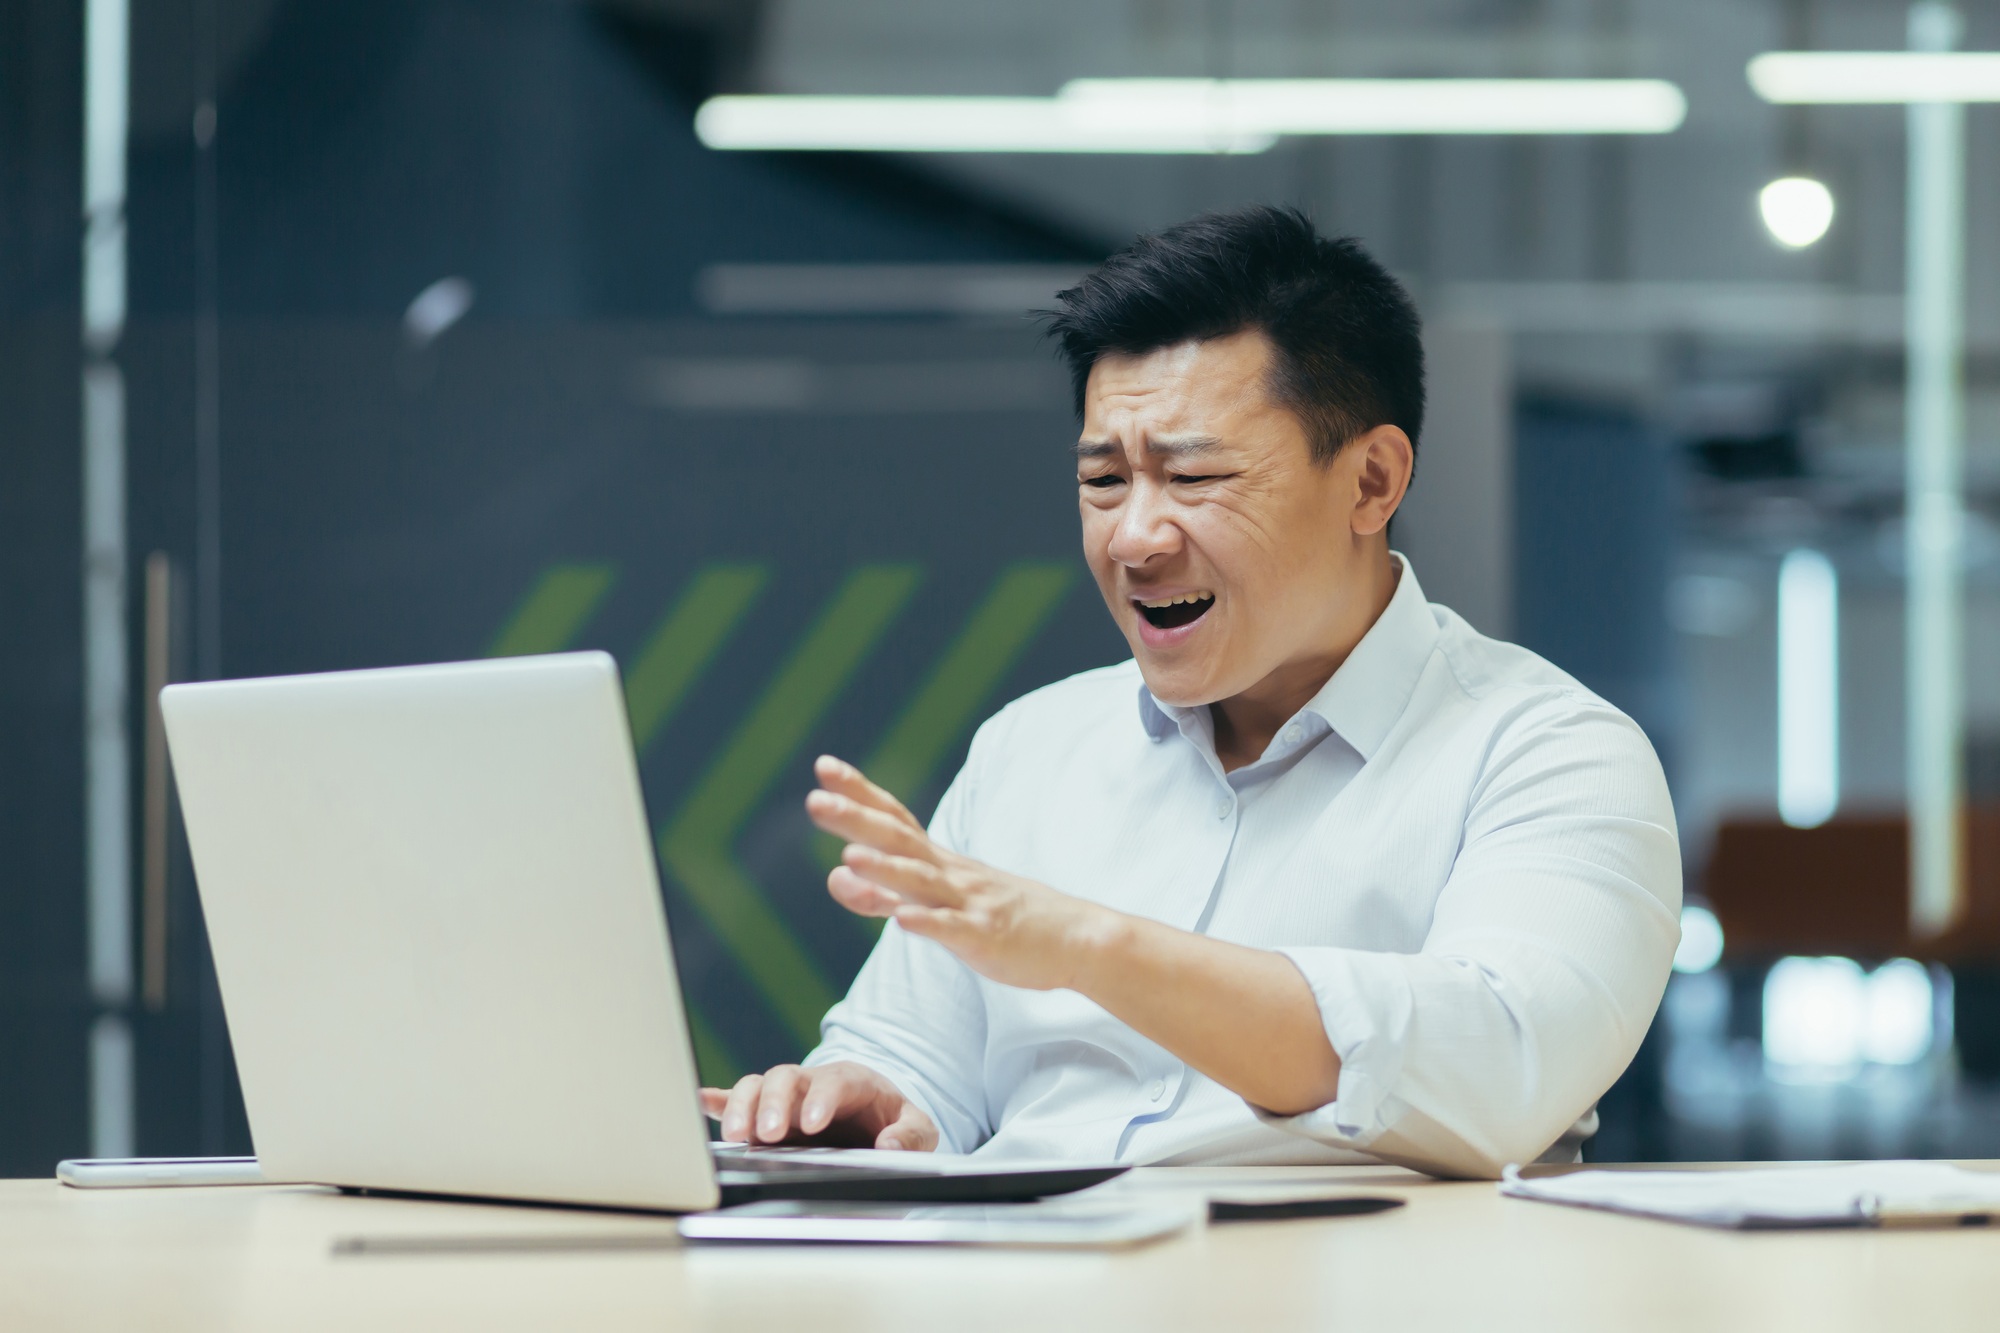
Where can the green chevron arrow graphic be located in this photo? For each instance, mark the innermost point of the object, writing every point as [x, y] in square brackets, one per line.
[686, 641]
[697, 844]
[554, 612]
[960, 685]
[666, 667]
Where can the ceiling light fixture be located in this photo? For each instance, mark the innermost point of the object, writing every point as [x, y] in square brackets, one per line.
[947, 125]
[1875, 77]
[1797, 210]
[1387, 106]
[1189, 115]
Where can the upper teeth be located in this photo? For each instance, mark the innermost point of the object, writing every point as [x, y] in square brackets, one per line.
[1175, 601]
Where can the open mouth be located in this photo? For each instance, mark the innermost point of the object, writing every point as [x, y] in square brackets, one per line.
[1173, 612]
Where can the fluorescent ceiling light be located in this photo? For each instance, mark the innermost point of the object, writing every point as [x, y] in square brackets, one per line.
[947, 125]
[1388, 106]
[1190, 115]
[1876, 76]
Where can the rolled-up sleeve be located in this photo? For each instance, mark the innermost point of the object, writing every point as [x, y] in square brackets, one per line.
[1547, 955]
[915, 1013]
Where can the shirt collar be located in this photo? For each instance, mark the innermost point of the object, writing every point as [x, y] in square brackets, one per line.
[1363, 698]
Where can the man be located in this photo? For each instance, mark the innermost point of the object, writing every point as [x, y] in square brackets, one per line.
[1321, 874]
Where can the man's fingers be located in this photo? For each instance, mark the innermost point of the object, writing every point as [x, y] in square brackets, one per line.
[861, 896]
[837, 775]
[917, 881]
[777, 1103]
[912, 1131]
[933, 923]
[847, 818]
[822, 1101]
[789, 1103]
[945, 925]
[739, 1107]
[831, 1094]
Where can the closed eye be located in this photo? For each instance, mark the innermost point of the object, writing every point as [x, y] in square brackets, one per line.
[1192, 478]
[1104, 482]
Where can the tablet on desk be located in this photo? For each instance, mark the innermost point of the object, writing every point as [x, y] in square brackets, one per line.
[105, 1173]
[1065, 1224]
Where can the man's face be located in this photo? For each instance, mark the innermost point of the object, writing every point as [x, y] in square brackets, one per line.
[1225, 553]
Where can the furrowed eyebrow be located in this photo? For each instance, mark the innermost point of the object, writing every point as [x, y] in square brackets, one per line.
[1188, 446]
[1185, 447]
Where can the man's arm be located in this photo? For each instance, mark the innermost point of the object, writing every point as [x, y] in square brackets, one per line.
[1244, 1017]
[1548, 950]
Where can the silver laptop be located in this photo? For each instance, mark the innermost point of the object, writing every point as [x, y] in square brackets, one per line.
[436, 919]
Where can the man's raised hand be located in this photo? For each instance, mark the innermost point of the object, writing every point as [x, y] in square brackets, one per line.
[1012, 930]
[837, 1105]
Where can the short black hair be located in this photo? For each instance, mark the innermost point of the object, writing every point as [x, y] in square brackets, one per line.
[1350, 352]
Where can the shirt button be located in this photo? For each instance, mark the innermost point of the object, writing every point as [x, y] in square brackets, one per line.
[1157, 1091]
[1223, 807]
[1292, 734]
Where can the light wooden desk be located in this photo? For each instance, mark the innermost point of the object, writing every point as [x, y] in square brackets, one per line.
[1458, 1257]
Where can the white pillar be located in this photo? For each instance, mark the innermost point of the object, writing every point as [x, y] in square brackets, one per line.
[106, 690]
[1935, 506]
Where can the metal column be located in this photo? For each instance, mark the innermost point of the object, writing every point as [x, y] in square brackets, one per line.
[1935, 501]
[107, 692]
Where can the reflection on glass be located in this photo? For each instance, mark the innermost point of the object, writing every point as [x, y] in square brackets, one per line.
[1701, 940]
[1808, 689]
[1823, 1017]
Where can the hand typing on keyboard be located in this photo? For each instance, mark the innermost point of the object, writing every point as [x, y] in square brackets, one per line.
[838, 1105]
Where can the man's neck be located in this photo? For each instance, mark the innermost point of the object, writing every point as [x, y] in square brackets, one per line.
[1245, 723]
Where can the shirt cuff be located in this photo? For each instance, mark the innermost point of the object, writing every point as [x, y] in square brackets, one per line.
[1365, 1006]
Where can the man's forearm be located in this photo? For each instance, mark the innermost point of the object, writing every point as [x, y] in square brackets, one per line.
[1244, 1017]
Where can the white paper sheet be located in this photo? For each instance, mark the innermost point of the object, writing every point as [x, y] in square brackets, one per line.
[1855, 1194]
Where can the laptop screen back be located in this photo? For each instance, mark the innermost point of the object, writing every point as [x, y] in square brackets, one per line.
[436, 921]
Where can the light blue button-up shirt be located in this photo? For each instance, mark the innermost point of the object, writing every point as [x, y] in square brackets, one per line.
[1471, 858]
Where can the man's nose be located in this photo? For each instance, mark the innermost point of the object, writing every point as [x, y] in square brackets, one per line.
[1145, 529]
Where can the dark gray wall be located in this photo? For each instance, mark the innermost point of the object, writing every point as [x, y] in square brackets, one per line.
[44, 1011]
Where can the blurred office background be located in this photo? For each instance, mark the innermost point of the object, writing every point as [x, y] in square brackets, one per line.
[337, 333]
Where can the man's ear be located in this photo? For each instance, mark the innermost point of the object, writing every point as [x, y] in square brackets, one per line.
[1383, 461]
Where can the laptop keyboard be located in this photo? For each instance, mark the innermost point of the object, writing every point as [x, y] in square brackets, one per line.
[776, 1162]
